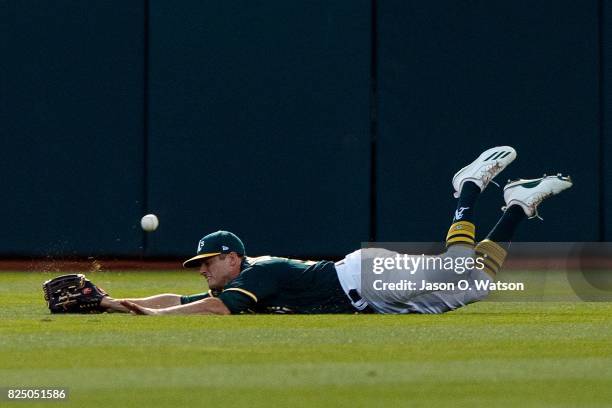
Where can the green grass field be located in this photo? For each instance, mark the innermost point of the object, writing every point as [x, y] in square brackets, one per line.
[488, 354]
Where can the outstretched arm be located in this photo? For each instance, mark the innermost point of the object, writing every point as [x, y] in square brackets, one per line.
[154, 302]
[209, 305]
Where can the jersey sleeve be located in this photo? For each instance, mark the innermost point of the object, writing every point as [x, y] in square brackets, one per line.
[250, 287]
[193, 298]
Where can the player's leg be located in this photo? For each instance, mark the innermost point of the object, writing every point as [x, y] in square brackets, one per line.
[468, 183]
[522, 199]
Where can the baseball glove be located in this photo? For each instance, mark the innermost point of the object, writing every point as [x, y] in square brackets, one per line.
[73, 294]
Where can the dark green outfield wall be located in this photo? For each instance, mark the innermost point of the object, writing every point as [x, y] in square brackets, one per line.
[71, 123]
[455, 77]
[271, 120]
[259, 123]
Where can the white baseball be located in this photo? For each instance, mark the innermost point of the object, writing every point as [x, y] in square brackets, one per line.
[149, 222]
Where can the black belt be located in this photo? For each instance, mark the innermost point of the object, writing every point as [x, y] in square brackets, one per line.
[356, 298]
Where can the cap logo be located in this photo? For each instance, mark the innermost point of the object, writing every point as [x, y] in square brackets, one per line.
[200, 245]
[224, 248]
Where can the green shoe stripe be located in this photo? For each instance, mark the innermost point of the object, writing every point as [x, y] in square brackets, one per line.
[530, 184]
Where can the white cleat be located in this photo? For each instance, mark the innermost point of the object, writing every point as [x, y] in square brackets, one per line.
[530, 193]
[482, 170]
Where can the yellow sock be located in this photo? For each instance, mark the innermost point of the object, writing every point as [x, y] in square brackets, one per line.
[461, 232]
[493, 256]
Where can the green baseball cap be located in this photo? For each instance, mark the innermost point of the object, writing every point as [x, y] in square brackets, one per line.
[216, 243]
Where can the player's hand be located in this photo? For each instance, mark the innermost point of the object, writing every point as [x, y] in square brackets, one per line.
[136, 309]
[113, 305]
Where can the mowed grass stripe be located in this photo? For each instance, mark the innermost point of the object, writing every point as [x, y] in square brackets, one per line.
[298, 374]
[134, 356]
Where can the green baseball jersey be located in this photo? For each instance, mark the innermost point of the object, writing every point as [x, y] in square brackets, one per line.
[280, 285]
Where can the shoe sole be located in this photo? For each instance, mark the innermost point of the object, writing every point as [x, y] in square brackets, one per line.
[532, 183]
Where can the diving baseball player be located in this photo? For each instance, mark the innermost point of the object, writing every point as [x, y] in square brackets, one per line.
[241, 284]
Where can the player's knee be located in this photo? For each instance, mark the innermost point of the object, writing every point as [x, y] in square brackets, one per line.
[459, 251]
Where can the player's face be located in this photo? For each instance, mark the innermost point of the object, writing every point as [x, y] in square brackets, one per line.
[217, 271]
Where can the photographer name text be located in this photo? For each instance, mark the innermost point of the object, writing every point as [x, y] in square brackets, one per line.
[463, 284]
